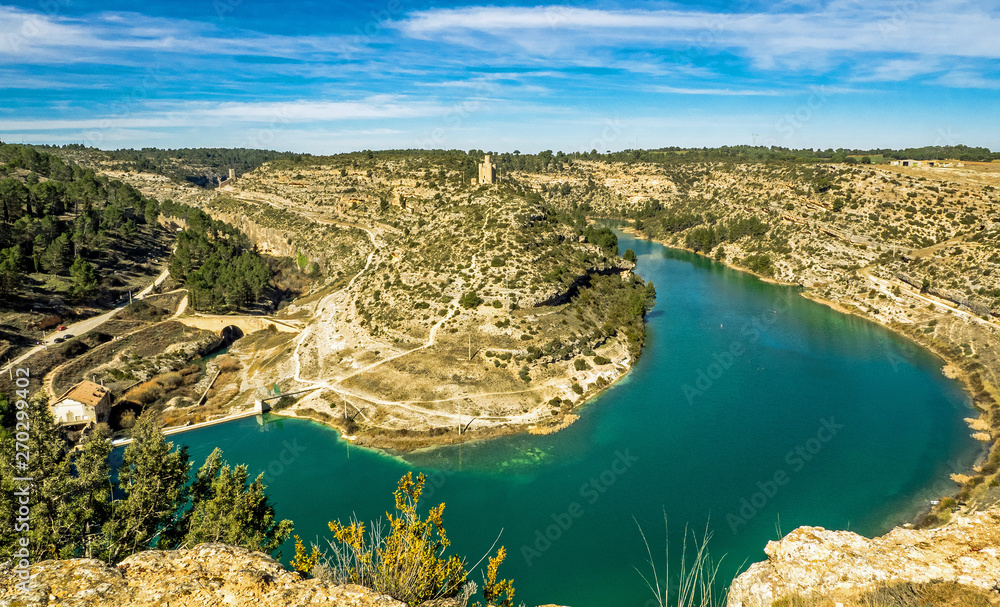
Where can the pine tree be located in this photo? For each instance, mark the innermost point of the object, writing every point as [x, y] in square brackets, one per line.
[10, 271]
[49, 468]
[77, 511]
[38, 251]
[152, 476]
[13, 198]
[85, 278]
[225, 509]
[91, 494]
[58, 254]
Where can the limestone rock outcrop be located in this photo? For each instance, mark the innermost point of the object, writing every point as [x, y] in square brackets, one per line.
[203, 576]
[812, 561]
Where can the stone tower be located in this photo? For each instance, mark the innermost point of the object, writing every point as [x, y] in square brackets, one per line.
[487, 172]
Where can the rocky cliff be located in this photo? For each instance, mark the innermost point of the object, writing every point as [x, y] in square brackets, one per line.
[844, 567]
[206, 575]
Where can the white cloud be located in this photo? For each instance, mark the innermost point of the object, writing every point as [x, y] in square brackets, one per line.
[164, 114]
[961, 29]
[10, 79]
[898, 70]
[381, 106]
[968, 80]
[112, 38]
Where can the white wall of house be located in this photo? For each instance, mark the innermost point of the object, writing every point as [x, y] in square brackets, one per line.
[71, 412]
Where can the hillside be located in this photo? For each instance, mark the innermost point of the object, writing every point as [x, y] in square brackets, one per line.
[451, 305]
[72, 242]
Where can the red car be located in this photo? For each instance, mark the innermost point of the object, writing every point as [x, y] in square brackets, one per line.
[62, 328]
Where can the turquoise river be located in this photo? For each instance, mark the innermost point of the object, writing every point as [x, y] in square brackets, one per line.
[751, 409]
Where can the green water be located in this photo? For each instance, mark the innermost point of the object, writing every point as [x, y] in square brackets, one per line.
[204, 360]
[878, 429]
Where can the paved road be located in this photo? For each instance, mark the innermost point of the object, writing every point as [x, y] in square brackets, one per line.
[79, 328]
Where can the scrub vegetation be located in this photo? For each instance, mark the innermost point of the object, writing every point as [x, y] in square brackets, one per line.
[404, 556]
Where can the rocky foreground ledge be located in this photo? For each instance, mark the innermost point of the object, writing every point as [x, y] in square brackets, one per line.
[206, 575]
[812, 561]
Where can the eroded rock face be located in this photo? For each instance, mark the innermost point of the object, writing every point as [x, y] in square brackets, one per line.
[814, 561]
[206, 575]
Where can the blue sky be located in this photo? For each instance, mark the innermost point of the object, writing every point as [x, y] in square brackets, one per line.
[330, 76]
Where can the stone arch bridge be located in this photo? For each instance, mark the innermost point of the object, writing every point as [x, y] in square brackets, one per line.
[246, 324]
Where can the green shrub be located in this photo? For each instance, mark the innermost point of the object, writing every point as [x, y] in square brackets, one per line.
[760, 264]
[470, 300]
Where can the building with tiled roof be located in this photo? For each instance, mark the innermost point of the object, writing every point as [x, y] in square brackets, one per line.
[82, 405]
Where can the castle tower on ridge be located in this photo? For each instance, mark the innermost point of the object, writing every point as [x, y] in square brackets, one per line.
[487, 172]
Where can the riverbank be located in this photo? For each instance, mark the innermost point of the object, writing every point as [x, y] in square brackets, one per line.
[403, 441]
[395, 442]
[594, 382]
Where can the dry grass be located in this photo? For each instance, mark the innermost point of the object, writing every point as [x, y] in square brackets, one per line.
[228, 364]
[169, 381]
[696, 581]
[903, 594]
[145, 393]
[137, 352]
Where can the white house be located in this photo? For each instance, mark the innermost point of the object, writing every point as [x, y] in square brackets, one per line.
[82, 405]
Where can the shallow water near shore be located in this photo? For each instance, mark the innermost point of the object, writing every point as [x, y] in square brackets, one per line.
[752, 410]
